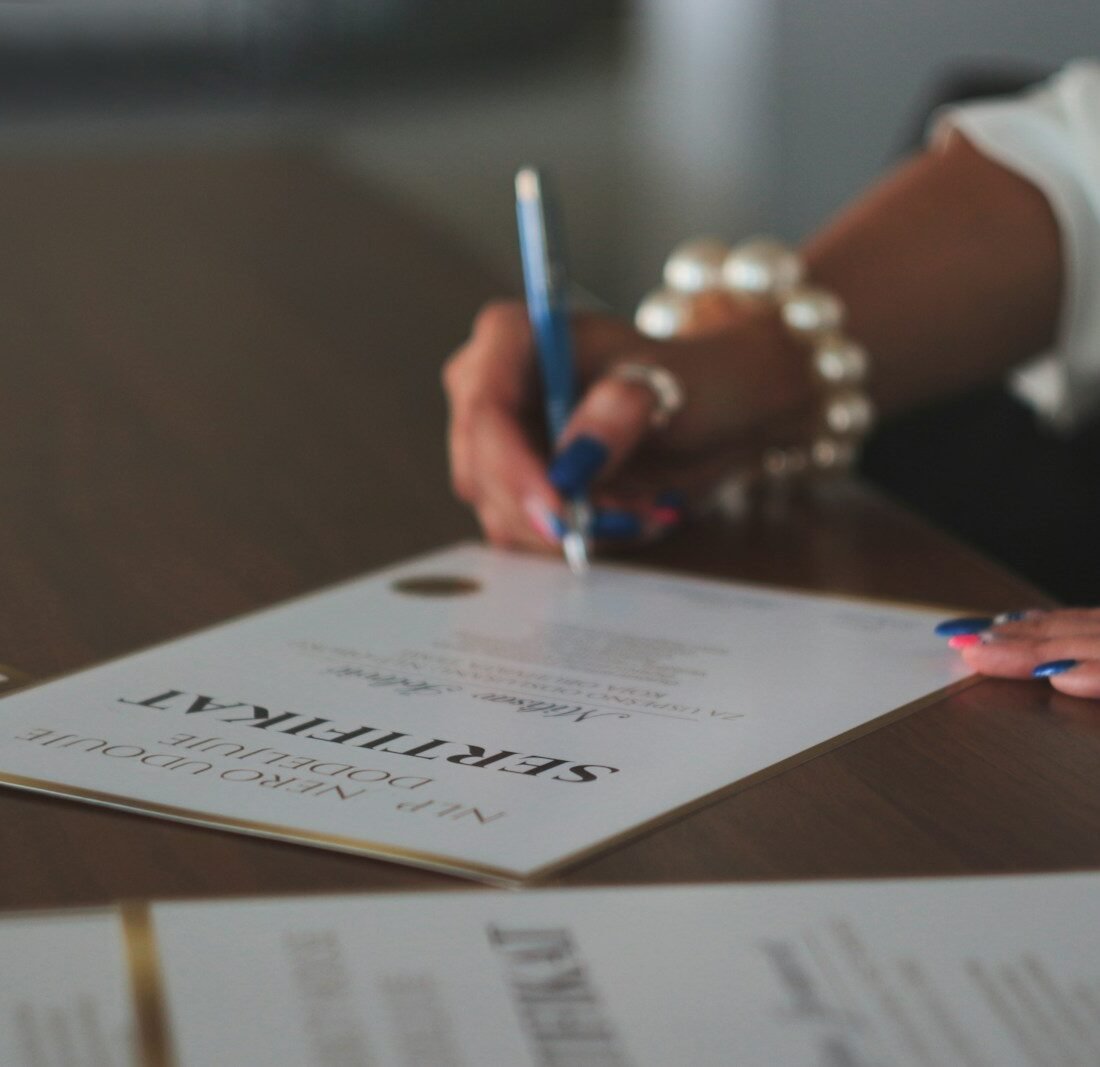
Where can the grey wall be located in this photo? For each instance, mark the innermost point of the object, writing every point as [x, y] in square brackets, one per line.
[723, 116]
[850, 76]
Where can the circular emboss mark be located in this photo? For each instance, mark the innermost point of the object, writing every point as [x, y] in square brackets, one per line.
[436, 585]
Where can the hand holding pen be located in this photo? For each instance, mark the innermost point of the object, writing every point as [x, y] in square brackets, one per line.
[619, 472]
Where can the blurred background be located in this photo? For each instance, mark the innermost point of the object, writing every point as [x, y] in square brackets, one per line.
[660, 118]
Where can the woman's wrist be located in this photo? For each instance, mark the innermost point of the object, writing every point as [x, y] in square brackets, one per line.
[801, 388]
[775, 388]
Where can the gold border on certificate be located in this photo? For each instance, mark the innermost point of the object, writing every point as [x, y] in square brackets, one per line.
[728, 790]
[152, 1039]
[445, 864]
[448, 864]
[337, 842]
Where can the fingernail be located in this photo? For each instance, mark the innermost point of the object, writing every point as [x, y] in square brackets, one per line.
[545, 522]
[616, 525]
[1016, 616]
[969, 625]
[577, 464]
[668, 510]
[1054, 666]
[965, 641]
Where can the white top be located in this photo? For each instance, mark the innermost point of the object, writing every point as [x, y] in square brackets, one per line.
[1051, 136]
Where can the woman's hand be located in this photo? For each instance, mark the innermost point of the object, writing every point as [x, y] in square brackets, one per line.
[744, 385]
[1062, 645]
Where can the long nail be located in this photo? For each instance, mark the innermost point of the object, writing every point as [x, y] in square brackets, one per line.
[548, 525]
[668, 509]
[1054, 666]
[968, 625]
[577, 464]
[616, 525]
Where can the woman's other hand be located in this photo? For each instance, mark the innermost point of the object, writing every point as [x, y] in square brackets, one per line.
[1062, 646]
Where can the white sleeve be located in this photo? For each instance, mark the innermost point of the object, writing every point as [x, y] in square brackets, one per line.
[1051, 136]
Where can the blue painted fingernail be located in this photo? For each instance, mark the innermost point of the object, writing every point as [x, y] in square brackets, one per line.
[616, 525]
[972, 625]
[577, 464]
[1054, 666]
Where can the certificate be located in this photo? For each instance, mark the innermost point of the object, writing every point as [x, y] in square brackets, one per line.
[961, 971]
[475, 711]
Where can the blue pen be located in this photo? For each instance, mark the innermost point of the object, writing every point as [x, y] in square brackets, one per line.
[544, 280]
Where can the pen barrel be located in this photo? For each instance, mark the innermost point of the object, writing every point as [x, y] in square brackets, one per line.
[556, 365]
[548, 311]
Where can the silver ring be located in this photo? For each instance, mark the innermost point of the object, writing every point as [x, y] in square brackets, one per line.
[667, 391]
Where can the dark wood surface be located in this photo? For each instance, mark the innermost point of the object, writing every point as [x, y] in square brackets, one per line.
[219, 389]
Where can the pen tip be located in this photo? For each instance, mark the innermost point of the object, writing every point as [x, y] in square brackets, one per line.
[576, 552]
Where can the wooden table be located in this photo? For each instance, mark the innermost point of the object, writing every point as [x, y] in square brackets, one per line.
[220, 388]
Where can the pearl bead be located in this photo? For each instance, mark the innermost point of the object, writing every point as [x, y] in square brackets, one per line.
[807, 310]
[662, 314]
[696, 265]
[829, 453]
[762, 267]
[849, 412]
[840, 361]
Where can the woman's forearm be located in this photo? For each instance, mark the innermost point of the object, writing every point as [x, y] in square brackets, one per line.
[951, 270]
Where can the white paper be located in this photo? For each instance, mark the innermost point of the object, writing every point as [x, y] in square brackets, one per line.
[960, 972]
[968, 972]
[614, 700]
[65, 993]
[998, 971]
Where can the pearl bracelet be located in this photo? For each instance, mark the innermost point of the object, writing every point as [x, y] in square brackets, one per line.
[766, 271]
